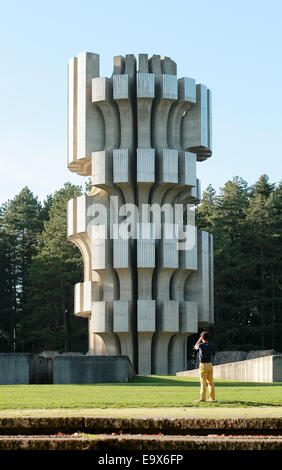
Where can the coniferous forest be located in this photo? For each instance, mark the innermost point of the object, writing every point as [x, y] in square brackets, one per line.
[39, 267]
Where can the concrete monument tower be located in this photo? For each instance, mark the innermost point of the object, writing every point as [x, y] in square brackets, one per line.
[148, 272]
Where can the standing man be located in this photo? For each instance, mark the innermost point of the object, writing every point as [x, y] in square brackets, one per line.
[206, 353]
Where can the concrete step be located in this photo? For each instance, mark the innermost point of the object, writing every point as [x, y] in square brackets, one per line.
[141, 442]
[147, 425]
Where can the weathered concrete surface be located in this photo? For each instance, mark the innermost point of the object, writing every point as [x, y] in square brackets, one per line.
[167, 426]
[261, 369]
[149, 443]
[91, 369]
[25, 368]
[106, 434]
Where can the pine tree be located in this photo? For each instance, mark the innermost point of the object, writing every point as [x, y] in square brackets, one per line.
[21, 224]
[263, 230]
[205, 212]
[246, 225]
[223, 215]
[276, 270]
[5, 289]
[55, 269]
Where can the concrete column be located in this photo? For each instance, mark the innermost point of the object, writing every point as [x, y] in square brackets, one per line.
[146, 327]
[188, 324]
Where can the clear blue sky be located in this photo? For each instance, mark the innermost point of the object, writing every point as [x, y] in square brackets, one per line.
[232, 46]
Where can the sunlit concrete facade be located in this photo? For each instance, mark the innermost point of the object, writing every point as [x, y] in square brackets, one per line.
[139, 135]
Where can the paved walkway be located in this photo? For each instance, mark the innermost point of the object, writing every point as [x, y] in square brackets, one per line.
[201, 411]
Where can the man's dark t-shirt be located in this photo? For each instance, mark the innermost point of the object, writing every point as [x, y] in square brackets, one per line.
[206, 351]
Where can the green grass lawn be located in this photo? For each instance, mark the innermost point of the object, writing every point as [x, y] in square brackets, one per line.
[142, 391]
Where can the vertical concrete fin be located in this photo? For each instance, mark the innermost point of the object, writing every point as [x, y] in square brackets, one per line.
[143, 65]
[186, 98]
[90, 125]
[155, 65]
[119, 64]
[72, 110]
[167, 94]
[168, 66]
[102, 95]
[195, 125]
[123, 96]
[145, 93]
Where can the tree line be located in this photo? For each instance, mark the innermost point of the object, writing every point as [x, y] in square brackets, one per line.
[39, 267]
[246, 225]
[38, 270]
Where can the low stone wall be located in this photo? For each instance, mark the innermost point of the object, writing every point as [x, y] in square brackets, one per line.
[91, 369]
[25, 368]
[226, 357]
[262, 369]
